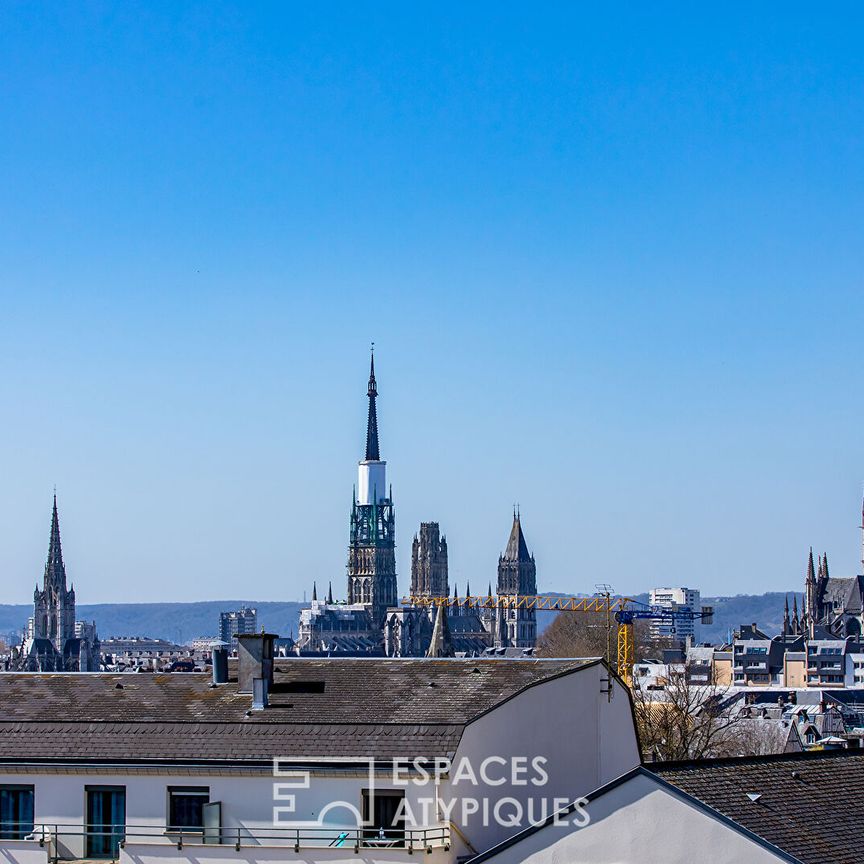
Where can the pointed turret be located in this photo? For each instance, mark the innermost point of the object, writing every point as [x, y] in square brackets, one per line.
[441, 644]
[809, 613]
[372, 450]
[517, 548]
[55, 571]
[796, 623]
[825, 575]
[786, 622]
[862, 535]
[330, 593]
[314, 591]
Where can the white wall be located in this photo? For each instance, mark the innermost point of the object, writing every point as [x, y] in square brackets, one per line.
[218, 854]
[586, 741]
[247, 801]
[639, 822]
[22, 852]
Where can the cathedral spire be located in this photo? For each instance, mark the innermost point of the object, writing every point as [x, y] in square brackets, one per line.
[330, 593]
[55, 572]
[314, 591]
[786, 617]
[372, 451]
[796, 622]
[862, 535]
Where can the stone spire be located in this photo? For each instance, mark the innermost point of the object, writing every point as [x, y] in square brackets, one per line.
[330, 593]
[372, 451]
[810, 611]
[314, 591]
[796, 622]
[825, 576]
[786, 617]
[441, 644]
[862, 535]
[55, 571]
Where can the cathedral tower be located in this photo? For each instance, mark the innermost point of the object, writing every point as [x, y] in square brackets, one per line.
[372, 548]
[429, 563]
[517, 576]
[54, 605]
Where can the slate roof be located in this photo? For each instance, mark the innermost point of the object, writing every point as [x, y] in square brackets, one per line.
[319, 707]
[809, 805]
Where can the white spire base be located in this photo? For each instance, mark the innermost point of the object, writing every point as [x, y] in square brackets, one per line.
[371, 482]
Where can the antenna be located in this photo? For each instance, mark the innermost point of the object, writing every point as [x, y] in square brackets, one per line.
[605, 591]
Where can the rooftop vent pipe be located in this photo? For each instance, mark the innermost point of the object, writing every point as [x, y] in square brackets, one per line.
[219, 654]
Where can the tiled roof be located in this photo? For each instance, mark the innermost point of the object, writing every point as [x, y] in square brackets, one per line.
[318, 708]
[222, 742]
[809, 804]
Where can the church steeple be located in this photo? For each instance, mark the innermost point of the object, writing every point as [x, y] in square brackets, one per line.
[862, 536]
[371, 553]
[55, 571]
[811, 611]
[517, 575]
[373, 453]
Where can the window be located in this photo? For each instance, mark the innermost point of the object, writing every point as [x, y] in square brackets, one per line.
[106, 820]
[186, 807]
[16, 812]
[384, 810]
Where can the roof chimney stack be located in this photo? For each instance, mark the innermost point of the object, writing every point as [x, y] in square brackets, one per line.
[255, 653]
[219, 657]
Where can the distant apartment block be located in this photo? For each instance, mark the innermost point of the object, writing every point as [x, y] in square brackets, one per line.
[236, 623]
[675, 598]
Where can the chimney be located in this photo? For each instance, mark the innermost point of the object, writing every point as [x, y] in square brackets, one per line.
[219, 655]
[255, 653]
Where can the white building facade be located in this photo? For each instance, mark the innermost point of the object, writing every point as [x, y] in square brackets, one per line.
[373, 758]
[679, 629]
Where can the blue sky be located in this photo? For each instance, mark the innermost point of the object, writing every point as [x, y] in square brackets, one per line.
[611, 260]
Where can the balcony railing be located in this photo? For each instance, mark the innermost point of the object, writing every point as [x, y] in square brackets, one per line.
[77, 841]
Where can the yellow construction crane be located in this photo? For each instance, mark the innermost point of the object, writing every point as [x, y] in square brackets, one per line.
[624, 610]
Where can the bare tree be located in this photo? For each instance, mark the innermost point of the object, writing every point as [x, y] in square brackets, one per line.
[576, 634]
[686, 721]
[591, 634]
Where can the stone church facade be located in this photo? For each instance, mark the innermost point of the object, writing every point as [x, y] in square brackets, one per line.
[833, 608]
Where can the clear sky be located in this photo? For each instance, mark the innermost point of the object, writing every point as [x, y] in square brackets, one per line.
[611, 260]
